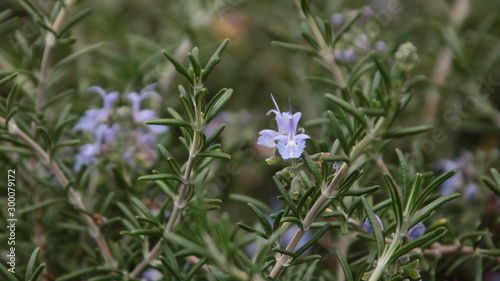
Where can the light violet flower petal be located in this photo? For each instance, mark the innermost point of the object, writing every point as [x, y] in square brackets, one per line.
[452, 184]
[470, 192]
[98, 90]
[147, 94]
[267, 138]
[289, 144]
[152, 275]
[283, 122]
[89, 121]
[273, 111]
[95, 116]
[100, 133]
[158, 129]
[144, 115]
[147, 114]
[109, 100]
[416, 232]
[289, 148]
[296, 117]
[140, 116]
[86, 156]
[338, 20]
[146, 139]
[106, 134]
[368, 226]
[149, 87]
[301, 137]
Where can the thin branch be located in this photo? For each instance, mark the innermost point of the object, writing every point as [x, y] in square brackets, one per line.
[438, 250]
[179, 204]
[50, 41]
[74, 196]
[325, 51]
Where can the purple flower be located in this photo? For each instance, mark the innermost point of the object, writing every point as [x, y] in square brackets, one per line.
[380, 47]
[366, 13]
[103, 135]
[470, 192]
[289, 143]
[368, 226]
[146, 139]
[349, 56]
[152, 275]
[86, 156]
[140, 116]
[345, 56]
[338, 20]
[416, 232]
[464, 168]
[95, 116]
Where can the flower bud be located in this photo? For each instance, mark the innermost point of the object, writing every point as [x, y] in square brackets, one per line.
[273, 160]
[338, 20]
[416, 232]
[296, 187]
[349, 56]
[366, 13]
[470, 192]
[368, 226]
[152, 275]
[406, 56]
[380, 47]
[285, 172]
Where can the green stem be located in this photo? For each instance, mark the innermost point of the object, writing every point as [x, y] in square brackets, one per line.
[326, 51]
[179, 204]
[386, 255]
[50, 41]
[180, 200]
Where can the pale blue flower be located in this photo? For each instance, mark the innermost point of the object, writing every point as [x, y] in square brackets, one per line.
[346, 56]
[366, 13]
[95, 116]
[292, 145]
[140, 116]
[470, 191]
[416, 232]
[368, 226]
[146, 139]
[380, 47]
[338, 20]
[289, 143]
[152, 275]
[464, 171]
[103, 135]
[86, 156]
